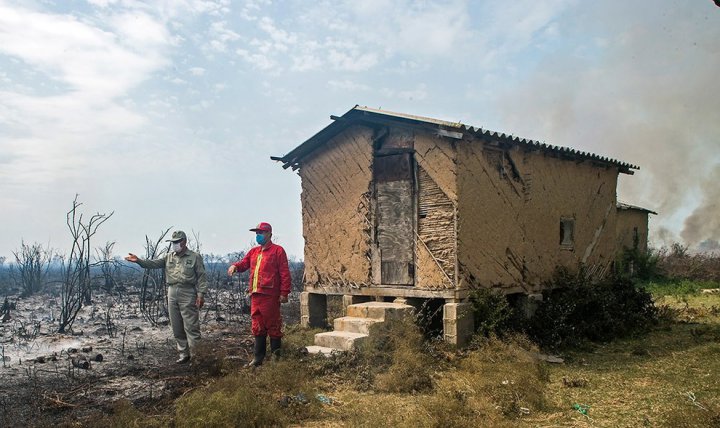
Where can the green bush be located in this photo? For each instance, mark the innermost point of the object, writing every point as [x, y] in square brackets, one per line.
[639, 265]
[575, 309]
[491, 311]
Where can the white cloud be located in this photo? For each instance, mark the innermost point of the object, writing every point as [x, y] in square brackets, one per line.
[220, 36]
[258, 60]
[197, 71]
[278, 35]
[345, 61]
[136, 28]
[417, 94]
[347, 85]
[85, 57]
[89, 69]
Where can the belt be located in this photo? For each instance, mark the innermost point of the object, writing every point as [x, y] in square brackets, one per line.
[182, 284]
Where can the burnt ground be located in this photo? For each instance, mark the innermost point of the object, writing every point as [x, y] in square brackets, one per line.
[40, 386]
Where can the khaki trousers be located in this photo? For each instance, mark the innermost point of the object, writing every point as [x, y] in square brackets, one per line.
[184, 317]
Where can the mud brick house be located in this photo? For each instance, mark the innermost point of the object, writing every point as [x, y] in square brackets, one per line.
[405, 208]
[632, 227]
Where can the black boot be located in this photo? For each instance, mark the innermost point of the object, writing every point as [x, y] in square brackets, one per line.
[260, 346]
[275, 343]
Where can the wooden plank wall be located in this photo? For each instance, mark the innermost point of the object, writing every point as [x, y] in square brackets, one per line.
[437, 198]
[436, 235]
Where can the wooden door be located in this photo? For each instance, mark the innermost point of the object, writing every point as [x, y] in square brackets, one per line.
[395, 215]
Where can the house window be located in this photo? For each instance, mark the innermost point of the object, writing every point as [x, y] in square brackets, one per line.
[567, 233]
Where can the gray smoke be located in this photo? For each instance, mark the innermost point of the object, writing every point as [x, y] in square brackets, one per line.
[647, 94]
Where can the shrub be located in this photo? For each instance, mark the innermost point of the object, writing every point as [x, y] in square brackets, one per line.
[677, 263]
[491, 311]
[633, 263]
[575, 309]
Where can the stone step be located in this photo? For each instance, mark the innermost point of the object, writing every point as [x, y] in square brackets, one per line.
[379, 310]
[341, 340]
[314, 349]
[354, 324]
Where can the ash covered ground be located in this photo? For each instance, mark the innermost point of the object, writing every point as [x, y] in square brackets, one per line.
[43, 381]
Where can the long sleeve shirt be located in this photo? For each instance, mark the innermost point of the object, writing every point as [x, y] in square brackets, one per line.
[269, 271]
[184, 270]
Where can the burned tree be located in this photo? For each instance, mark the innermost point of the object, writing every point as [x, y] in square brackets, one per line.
[31, 266]
[153, 293]
[109, 267]
[216, 273]
[76, 283]
[297, 271]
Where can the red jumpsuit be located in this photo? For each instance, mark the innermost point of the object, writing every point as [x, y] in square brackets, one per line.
[269, 279]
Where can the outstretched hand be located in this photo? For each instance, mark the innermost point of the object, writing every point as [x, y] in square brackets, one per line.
[231, 270]
[131, 258]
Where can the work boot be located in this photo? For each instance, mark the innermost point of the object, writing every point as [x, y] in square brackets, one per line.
[259, 354]
[182, 359]
[275, 343]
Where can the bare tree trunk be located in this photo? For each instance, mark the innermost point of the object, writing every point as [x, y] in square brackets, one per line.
[76, 284]
[153, 293]
[108, 266]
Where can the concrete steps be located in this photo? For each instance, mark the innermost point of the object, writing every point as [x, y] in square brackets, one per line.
[340, 340]
[354, 324]
[352, 329]
[314, 349]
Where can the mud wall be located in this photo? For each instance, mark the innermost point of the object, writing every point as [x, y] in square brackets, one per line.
[511, 204]
[437, 199]
[336, 183]
[628, 221]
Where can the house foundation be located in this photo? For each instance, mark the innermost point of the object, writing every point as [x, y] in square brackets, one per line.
[458, 323]
[457, 317]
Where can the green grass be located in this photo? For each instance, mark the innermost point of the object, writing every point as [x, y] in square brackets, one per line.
[679, 287]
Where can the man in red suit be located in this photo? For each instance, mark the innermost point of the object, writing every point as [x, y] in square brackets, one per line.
[269, 286]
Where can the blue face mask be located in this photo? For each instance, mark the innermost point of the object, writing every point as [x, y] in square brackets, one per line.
[260, 239]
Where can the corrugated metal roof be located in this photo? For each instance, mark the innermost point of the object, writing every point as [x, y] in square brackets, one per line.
[624, 206]
[367, 115]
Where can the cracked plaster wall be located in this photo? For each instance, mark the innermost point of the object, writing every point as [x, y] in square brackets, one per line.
[335, 181]
[510, 207]
[627, 220]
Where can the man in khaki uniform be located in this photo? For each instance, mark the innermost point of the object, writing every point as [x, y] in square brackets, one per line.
[187, 285]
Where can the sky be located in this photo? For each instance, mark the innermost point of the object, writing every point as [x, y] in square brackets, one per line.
[166, 113]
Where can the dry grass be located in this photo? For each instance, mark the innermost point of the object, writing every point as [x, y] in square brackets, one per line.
[667, 378]
[646, 381]
[276, 394]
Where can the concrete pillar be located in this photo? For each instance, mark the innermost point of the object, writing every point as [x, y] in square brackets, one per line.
[529, 303]
[313, 310]
[458, 323]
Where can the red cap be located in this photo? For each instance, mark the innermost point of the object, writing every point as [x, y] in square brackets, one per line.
[262, 227]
